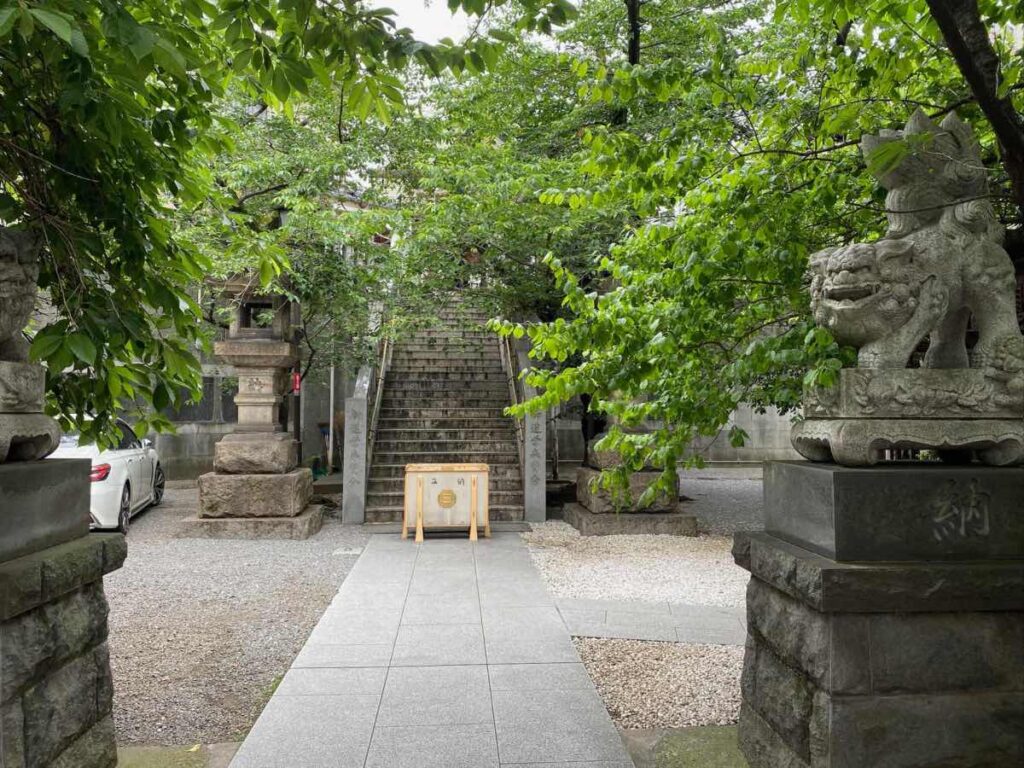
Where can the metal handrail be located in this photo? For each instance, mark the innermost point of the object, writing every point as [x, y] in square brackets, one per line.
[383, 363]
[512, 376]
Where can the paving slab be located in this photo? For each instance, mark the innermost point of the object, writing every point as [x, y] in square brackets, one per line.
[310, 732]
[456, 657]
[343, 655]
[457, 695]
[434, 746]
[655, 621]
[554, 726]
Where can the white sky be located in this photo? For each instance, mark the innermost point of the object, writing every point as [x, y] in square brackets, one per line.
[430, 20]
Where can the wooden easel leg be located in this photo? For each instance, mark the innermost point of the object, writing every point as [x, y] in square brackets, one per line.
[405, 520]
[419, 512]
[472, 509]
[487, 510]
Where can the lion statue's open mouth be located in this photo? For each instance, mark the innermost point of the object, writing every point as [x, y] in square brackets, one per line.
[851, 295]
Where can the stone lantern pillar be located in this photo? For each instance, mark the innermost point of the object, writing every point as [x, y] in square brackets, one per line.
[257, 489]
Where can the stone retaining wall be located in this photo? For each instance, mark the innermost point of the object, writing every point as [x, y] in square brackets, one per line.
[55, 686]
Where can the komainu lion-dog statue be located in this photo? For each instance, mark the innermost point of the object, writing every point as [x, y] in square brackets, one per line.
[940, 264]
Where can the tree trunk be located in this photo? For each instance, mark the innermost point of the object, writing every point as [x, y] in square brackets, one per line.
[633, 30]
[967, 39]
[620, 116]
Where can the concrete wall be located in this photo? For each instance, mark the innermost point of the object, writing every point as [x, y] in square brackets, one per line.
[189, 453]
[316, 412]
[768, 438]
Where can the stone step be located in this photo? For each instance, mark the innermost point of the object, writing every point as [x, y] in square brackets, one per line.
[451, 400]
[421, 370]
[427, 411]
[483, 375]
[429, 387]
[444, 335]
[445, 423]
[506, 483]
[505, 431]
[396, 498]
[445, 457]
[487, 342]
[394, 514]
[503, 470]
[420, 355]
[494, 445]
[438, 347]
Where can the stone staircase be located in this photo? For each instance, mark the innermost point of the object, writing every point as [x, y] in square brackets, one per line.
[443, 399]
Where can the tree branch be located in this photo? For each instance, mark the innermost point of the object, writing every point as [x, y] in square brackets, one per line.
[967, 39]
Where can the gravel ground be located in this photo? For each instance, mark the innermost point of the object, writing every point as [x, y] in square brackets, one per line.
[664, 685]
[202, 629]
[724, 499]
[678, 569]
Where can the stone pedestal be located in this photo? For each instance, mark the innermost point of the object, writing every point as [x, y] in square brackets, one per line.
[55, 685]
[600, 501]
[967, 411]
[911, 656]
[600, 513]
[284, 495]
[42, 504]
[26, 433]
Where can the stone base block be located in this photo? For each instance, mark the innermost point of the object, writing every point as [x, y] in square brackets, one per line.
[845, 678]
[897, 512]
[600, 501]
[255, 495]
[272, 453]
[591, 524]
[27, 436]
[301, 526]
[42, 504]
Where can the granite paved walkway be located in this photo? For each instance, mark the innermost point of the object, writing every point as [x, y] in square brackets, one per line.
[442, 655]
[634, 620]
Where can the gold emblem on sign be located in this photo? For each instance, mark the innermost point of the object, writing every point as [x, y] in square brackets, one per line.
[446, 499]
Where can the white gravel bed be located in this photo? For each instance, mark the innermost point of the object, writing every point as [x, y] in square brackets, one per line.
[677, 569]
[664, 685]
[201, 629]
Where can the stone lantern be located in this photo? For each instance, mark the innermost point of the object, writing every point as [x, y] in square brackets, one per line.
[257, 489]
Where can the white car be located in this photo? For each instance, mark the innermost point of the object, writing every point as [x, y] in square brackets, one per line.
[125, 479]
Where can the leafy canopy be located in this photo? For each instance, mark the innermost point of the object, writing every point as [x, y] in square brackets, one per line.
[735, 144]
[107, 116]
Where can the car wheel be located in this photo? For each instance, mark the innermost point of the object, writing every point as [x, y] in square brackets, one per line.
[158, 485]
[125, 513]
